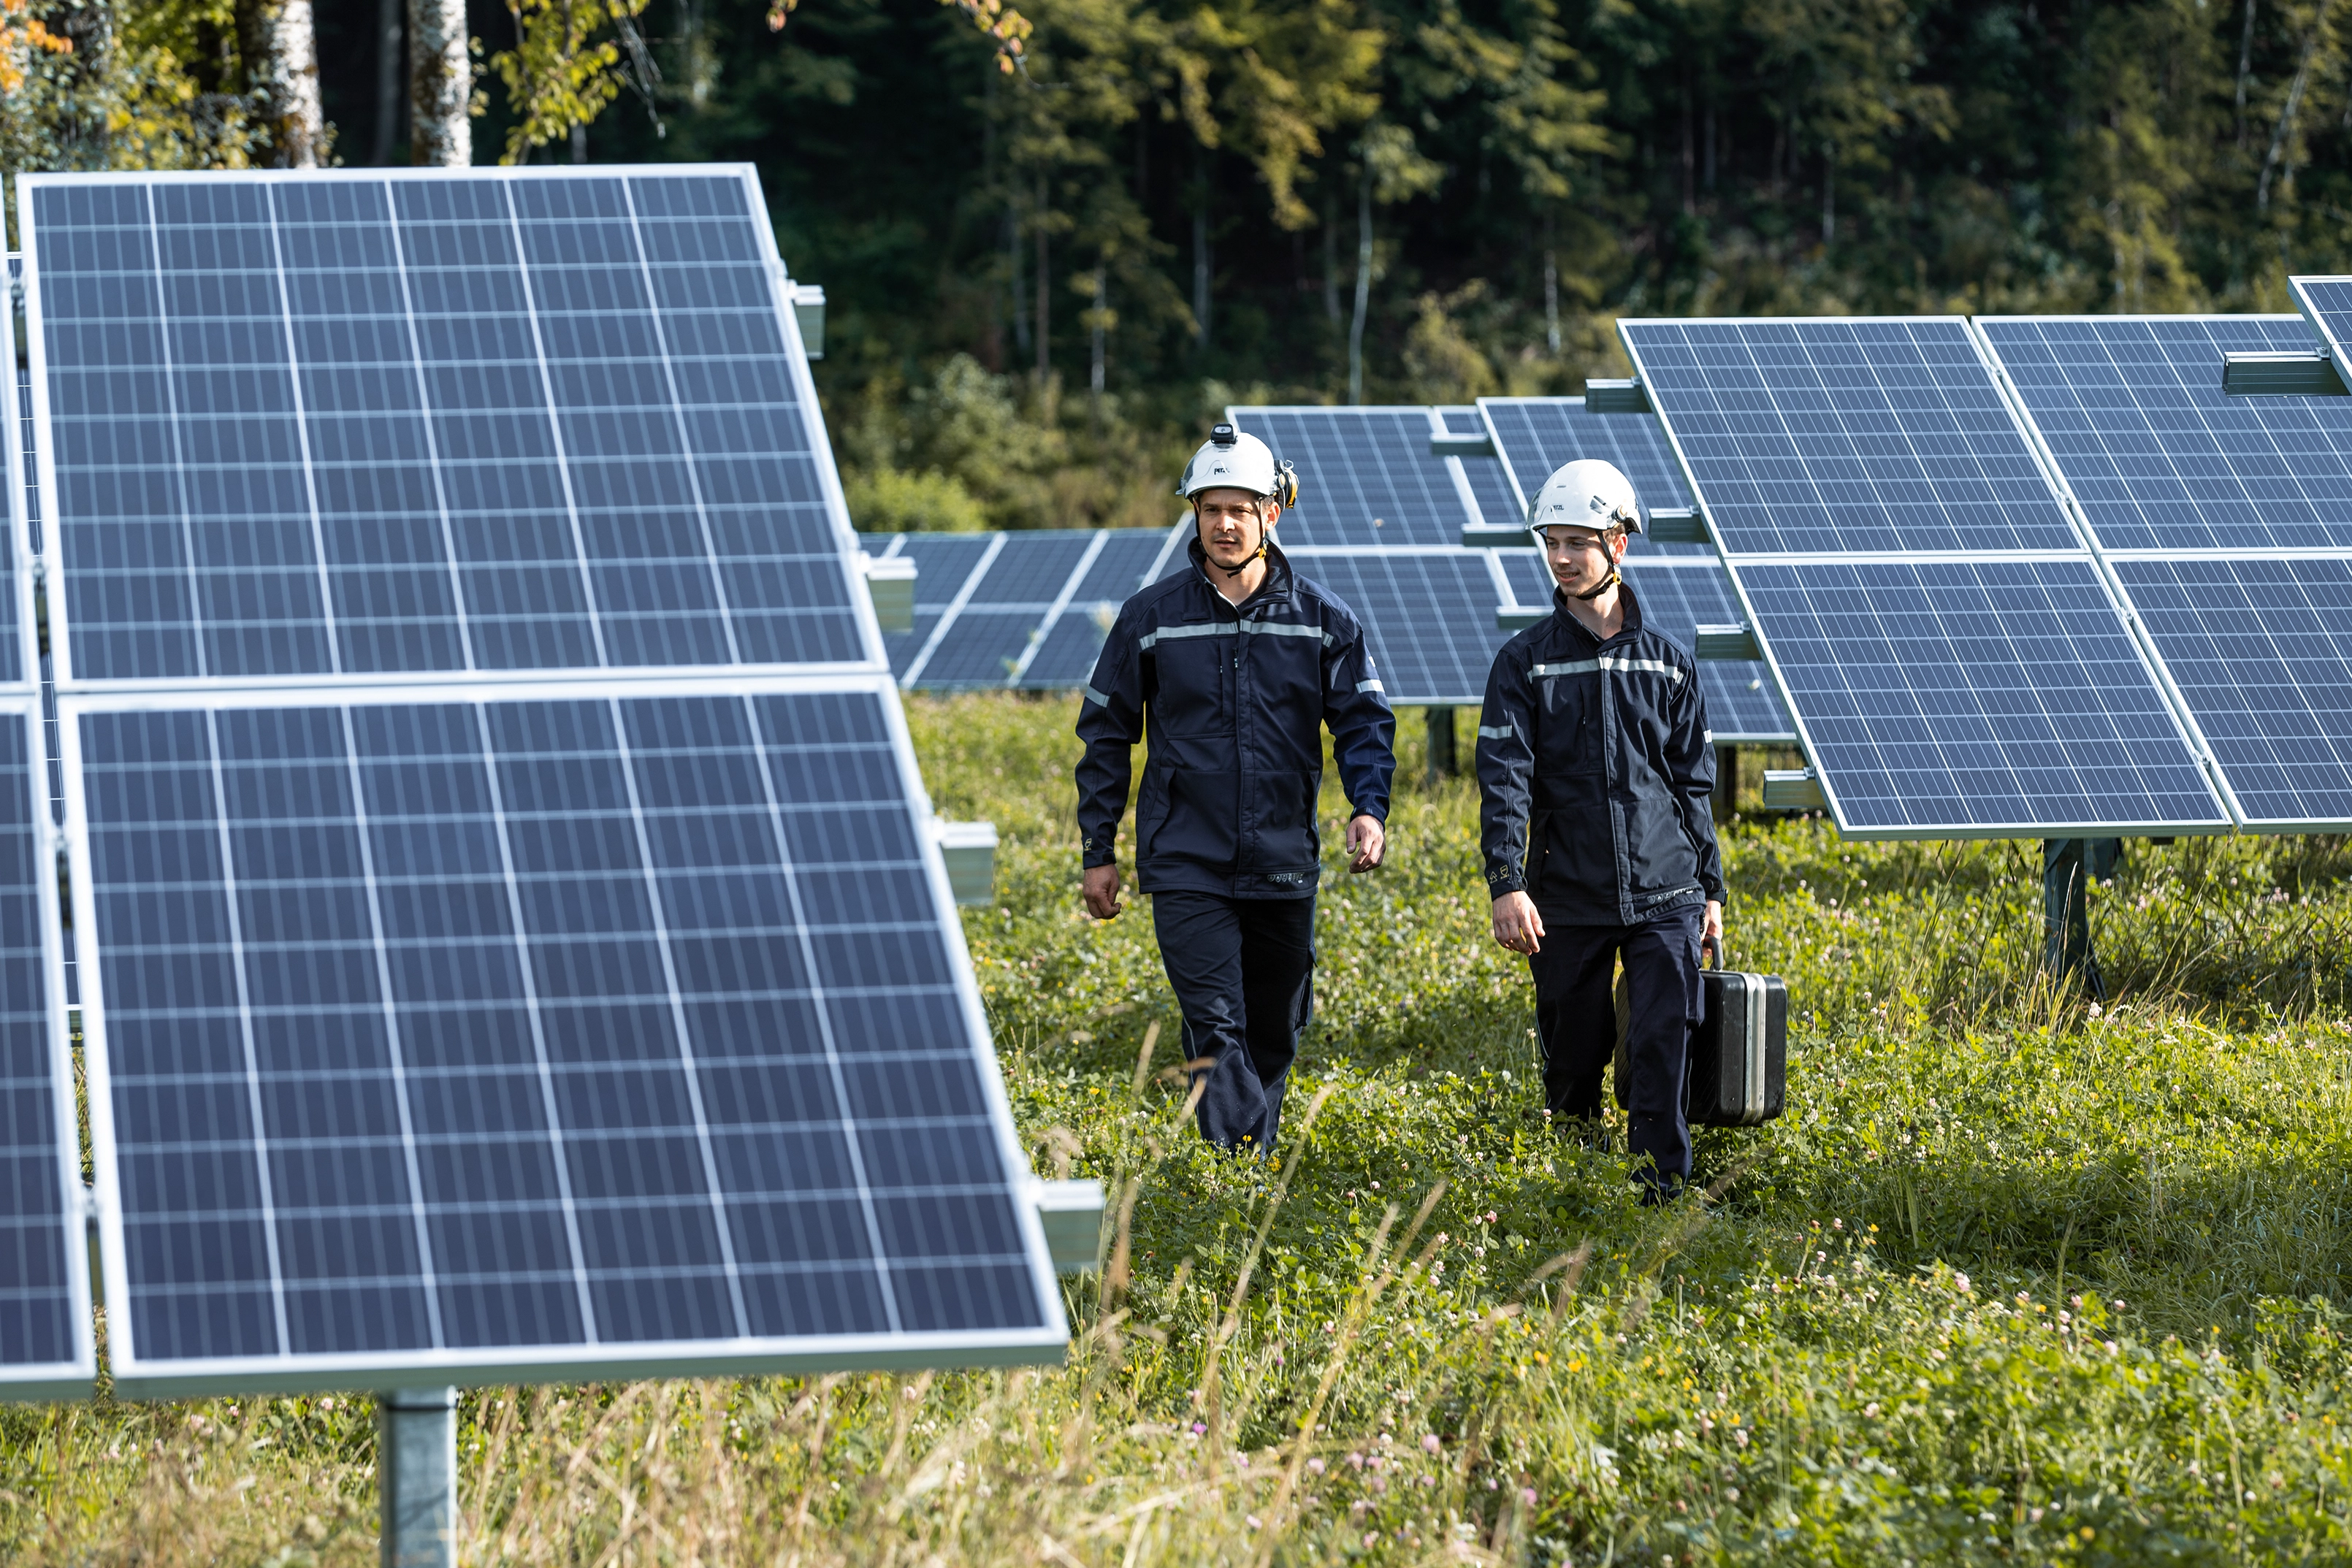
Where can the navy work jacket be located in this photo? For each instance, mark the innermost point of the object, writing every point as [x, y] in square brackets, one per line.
[1235, 698]
[1595, 772]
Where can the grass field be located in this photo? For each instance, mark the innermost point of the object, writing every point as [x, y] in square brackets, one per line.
[2017, 1279]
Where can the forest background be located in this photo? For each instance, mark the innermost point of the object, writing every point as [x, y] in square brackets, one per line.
[1056, 244]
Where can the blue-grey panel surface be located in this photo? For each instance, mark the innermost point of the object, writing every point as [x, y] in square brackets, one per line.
[1428, 617]
[1741, 705]
[1964, 697]
[2262, 650]
[2132, 411]
[1535, 436]
[1067, 657]
[2327, 304]
[1835, 435]
[318, 423]
[943, 563]
[1006, 612]
[1367, 478]
[539, 1031]
[45, 1323]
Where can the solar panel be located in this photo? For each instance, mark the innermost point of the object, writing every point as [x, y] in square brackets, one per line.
[2327, 304]
[2261, 650]
[1071, 638]
[985, 644]
[1827, 434]
[1535, 436]
[1428, 616]
[46, 1344]
[491, 1032]
[319, 424]
[2131, 411]
[19, 661]
[943, 564]
[1975, 697]
[1365, 476]
[1677, 599]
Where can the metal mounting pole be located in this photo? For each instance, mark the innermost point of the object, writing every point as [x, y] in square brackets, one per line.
[1442, 763]
[416, 1476]
[2069, 866]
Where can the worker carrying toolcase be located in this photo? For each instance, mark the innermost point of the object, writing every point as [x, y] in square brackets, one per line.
[1738, 1069]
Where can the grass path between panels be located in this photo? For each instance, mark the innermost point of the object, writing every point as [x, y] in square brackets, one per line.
[2016, 1280]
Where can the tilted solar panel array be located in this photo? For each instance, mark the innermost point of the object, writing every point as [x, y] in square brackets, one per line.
[513, 938]
[1946, 639]
[2227, 523]
[1488, 478]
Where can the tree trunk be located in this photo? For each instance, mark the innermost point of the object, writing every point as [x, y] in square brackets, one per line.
[1201, 274]
[1331, 259]
[1829, 194]
[1363, 286]
[388, 37]
[2245, 68]
[1044, 294]
[1102, 306]
[279, 52]
[440, 85]
[2284, 130]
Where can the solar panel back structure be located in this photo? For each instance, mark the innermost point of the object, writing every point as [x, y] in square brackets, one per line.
[1367, 479]
[1490, 480]
[1535, 436]
[2226, 522]
[564, 1021]
[1947, 643]
[388, 423]
[1678, 596]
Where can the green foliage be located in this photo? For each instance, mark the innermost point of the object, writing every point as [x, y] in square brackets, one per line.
[2016, 1279]
[560, 73]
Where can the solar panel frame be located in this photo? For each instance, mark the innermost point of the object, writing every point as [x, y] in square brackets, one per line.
[2325, 302]
[75, 1375]
[856, 600]
[21, 638]
[140, 1377]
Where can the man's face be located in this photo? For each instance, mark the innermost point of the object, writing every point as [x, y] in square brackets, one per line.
[1232, 523]
[1580, 557]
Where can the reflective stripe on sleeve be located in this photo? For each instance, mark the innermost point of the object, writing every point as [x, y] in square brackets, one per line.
[1097, 698]
[1494, 732]
[1371, 686]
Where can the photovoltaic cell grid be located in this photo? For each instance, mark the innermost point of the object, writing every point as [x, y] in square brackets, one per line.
[1069, 643]
[1839, 435]
[533, 1031]
[1367, 478]
[1948, 696]
[46, 1349]
[2131, 410]
[1535, 436]
[986, 643]
[1677, 599]
[2327, 304]
[313, 424]
[2262, 652]
[1428, 616]
[943, 563]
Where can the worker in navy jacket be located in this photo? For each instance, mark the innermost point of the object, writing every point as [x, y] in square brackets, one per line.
[1595, 770]
[1233, 667]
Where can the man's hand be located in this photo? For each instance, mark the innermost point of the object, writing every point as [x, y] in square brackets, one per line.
[1101, 888]
[1516, 924]
[1367, 842]
[1710, 936]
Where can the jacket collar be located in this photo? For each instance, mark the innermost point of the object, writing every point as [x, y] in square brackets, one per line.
[1275, 590]
[1567, 617]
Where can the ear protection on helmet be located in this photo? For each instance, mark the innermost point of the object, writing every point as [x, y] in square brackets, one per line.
[1286, 485]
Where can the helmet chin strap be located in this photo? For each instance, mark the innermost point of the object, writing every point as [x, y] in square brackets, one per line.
[1606, 583]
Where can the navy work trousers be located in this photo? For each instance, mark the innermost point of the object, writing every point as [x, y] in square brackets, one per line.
[1243, 972]
[1576, 1019]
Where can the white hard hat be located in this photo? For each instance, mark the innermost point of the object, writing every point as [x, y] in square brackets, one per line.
[1585, 494]
[1232, 459]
